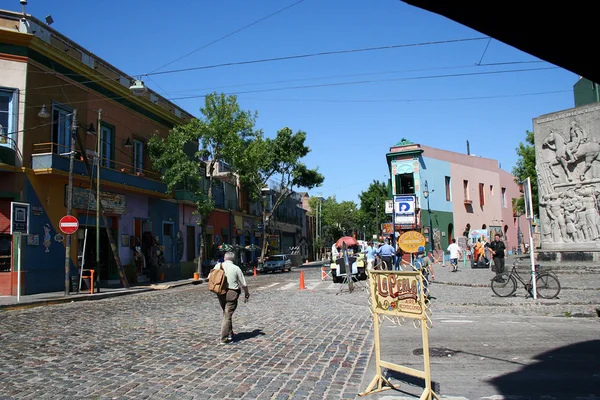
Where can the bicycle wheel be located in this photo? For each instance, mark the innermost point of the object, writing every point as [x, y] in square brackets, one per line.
[547, 286]
[504, 285]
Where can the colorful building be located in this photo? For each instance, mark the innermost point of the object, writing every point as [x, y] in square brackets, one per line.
[464, 193]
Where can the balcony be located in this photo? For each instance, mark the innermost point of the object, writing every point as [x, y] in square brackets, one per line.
[47, 157]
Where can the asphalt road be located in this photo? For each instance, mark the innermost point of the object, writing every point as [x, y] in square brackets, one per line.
[292, 344]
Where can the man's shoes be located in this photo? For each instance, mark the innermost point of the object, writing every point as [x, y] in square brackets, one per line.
[226, 341]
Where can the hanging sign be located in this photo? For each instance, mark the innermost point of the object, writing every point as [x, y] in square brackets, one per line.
[411, 241]
[404, 210]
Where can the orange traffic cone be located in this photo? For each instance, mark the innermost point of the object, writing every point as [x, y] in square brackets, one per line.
[254, 272]
[323, 274]
[302, 287]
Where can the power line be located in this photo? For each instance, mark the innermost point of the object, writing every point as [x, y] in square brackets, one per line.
[230, 34]
[375, 81]
[318, 54]
[355, 75]
[416, 100]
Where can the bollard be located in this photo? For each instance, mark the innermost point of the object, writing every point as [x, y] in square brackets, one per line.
[302, 287]
[92, 281]
[196, 276]
[254, 274]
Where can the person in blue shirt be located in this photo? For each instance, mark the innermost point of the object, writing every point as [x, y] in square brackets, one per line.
[386, 253]
[370, 252]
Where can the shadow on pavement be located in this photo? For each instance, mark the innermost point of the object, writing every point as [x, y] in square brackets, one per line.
[563, 373]
[248, 335]
[398, 379]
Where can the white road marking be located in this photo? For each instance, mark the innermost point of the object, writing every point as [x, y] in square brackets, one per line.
[289, 286]
[459, 321]
[268, 286]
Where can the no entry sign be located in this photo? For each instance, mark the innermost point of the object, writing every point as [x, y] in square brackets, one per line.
[68, 224]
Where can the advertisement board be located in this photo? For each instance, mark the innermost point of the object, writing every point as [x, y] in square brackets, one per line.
[404, 210]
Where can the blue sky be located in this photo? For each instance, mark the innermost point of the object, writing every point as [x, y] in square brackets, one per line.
[350, 127]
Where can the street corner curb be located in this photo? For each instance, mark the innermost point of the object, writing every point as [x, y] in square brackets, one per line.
[62, 300]
[461, 284]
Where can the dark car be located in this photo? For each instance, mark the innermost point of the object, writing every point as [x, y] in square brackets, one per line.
[279, 262]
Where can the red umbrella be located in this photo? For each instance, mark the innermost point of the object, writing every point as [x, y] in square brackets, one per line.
[349, 240]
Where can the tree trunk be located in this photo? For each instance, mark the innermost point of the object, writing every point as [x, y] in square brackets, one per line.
[264, 242]
[202, 247]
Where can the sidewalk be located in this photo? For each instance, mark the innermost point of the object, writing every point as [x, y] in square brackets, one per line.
[43, 299]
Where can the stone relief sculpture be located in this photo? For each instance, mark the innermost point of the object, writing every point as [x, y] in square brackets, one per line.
[567, 145]
[578, 148]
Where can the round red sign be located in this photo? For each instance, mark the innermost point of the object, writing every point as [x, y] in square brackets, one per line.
[68, 224]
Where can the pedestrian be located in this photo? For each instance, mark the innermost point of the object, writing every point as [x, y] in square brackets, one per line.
[455, 253]
[370, 251]
[497, 248]
[386, 253]
[229, 300]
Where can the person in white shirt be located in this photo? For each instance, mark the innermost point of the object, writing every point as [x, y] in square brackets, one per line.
[455, 253]
[229, 300]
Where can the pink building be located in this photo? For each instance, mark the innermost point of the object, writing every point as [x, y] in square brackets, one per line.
[467, 193]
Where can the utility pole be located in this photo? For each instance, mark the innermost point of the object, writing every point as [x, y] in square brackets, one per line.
[70, 202]
[98, 152]
[377, 217]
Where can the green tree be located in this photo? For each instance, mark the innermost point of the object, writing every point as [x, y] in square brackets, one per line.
[525, 168]
[372, 205]
[222, 133]
[277, 161]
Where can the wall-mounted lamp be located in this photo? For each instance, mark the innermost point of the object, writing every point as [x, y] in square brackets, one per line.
[128, 143]
[43, 112]
[49, 19]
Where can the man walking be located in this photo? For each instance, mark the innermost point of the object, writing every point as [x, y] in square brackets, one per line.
[497, 248]
[370, 252]
[455, 253]
[386, 253]
[229, 300]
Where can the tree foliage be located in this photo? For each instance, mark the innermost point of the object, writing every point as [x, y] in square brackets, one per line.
[372, 205]
[187, 157]
[275, 164]
[525, 168]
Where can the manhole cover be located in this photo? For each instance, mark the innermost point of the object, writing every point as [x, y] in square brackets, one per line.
[436, 352]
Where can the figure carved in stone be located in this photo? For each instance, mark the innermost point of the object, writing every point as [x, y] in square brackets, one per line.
[557, 218]
[588, 198]
[546, 222]
[578, 148]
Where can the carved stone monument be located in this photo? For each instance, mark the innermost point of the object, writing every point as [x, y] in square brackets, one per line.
[567, 146]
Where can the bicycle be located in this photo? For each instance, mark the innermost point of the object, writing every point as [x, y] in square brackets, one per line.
[505, 284]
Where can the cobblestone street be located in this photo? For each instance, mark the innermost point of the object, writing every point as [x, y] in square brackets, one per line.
[292, 344]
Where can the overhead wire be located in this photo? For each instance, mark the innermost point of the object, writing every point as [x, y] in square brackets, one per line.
[230, 34]
[374, 81]
[317, 54]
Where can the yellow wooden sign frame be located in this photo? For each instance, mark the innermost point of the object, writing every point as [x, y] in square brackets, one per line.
[399, 294]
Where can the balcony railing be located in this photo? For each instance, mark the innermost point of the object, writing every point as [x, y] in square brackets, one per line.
[63, 151]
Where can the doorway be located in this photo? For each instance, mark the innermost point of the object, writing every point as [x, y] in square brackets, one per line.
[107, 269]
[168, 241]
[191, 243]
[450, 230]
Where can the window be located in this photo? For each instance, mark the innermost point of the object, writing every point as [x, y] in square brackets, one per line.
[491, 190]
[405, 184]
[138, 156]
[107, 146]
[61, 128]
[448, 194]
[8, 113]
[481, 194]
[504, 197]
[466, 189]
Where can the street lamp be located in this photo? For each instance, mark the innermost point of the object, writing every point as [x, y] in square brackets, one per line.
[426, 195]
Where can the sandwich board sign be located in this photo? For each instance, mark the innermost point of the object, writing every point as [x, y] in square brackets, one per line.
[396, 295]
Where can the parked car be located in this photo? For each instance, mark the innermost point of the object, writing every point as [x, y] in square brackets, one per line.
[279, 262]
